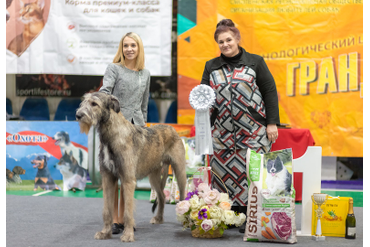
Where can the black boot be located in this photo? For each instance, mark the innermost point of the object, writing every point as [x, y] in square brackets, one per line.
[117, 228]
[242, 209]
[242, 228]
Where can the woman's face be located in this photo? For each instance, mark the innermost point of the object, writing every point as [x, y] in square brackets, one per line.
[130, 48]
[228, 44]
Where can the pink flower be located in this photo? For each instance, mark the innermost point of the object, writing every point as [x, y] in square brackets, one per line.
[206, 225]
[211, 196]
[203, 188]
[182, 207]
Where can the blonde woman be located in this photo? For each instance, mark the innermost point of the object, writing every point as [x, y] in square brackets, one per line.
[128, 80]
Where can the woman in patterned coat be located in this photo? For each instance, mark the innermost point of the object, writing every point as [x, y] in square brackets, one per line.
[245, 114]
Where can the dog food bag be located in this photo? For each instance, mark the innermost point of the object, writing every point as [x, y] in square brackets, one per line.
[271, 198]
[175, 192]
[333, 220]
[167, 188]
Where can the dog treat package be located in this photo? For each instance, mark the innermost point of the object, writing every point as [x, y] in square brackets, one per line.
[175, 192]
[167, 188]
[271, 197]
[333, 220]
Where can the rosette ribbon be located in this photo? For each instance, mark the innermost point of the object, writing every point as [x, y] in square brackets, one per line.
[201, 98]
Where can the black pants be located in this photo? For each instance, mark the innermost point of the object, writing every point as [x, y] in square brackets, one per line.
[240, 209]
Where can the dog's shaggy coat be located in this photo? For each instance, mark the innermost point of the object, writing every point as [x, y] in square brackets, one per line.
[130, 152]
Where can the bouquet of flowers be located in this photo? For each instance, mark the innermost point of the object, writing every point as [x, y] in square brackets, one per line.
[208, 211]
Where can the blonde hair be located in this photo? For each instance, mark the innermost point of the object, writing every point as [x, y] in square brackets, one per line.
[140, 60]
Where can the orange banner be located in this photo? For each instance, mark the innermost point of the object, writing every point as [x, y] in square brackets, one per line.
[184, 130]
[314, 50]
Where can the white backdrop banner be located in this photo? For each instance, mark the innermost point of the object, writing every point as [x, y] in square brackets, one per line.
[79, 37]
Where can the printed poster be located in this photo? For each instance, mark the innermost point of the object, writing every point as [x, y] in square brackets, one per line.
[43, 155]
[79, 37]
[314, 50]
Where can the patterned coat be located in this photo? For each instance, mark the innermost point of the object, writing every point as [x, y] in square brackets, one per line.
[246, 101]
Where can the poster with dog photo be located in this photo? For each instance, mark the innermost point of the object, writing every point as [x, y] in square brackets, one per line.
[45, 156]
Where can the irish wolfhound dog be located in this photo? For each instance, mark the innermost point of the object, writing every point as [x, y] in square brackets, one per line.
[130, 152]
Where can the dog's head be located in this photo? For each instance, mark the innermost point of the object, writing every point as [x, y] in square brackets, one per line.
[19, 170]
[61, 138]
[9, 173]
[274, 166]
[96, 107]
[66, 162]
[39, 162]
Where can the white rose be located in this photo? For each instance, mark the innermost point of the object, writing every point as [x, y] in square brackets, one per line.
[228, 217]
[240, 219]
[202, 202]
[194, 202]
[224, 197]
[216, 212]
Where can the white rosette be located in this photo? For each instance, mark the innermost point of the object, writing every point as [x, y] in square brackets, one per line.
[201, 98]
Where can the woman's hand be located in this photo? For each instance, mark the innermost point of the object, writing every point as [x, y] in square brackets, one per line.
[272, 132]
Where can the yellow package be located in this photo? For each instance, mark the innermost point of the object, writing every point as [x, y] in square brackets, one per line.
[333, 221]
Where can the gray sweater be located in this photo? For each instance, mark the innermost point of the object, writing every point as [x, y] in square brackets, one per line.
[132, 90]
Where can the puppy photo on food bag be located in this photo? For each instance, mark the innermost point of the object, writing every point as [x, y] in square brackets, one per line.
[278, 178]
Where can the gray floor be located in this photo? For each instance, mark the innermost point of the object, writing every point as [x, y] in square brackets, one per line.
[58, 221]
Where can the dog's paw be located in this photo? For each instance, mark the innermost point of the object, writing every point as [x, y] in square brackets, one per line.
[156, 220]
[102, 235]
[128, 237]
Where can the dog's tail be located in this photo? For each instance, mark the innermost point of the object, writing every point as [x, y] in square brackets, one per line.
[163, 183]
[154, 205]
